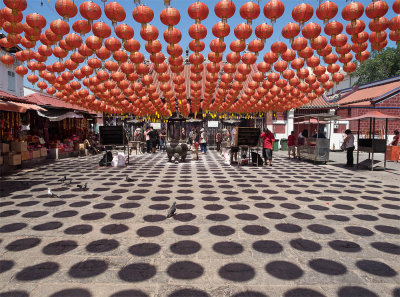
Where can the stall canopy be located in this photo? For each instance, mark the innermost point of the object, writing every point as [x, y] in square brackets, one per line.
[20, 107]
[59, 115]
[373, 115]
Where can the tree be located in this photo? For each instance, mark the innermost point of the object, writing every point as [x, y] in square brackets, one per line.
[380, 65]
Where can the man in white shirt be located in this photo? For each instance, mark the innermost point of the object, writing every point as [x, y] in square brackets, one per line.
[348, 144]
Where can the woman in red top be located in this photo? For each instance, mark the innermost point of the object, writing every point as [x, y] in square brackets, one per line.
[292, 145]
[268, 142]
[395, 138]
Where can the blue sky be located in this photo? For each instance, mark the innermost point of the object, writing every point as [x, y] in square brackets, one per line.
[49, 12]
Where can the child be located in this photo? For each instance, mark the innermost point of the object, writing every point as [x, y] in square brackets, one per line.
[196, 150]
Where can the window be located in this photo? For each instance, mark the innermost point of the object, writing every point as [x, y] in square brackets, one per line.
[11, 81]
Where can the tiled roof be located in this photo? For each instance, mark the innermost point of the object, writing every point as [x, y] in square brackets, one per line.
[319, 102]
[370, 93]
[6, 95]
[46, 100]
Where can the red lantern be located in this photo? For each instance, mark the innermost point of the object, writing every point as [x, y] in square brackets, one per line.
[73, 40]
[378, 24]
[217, 46]
[35, 20]
[333, 28]
[115, 12]
[278, 47]
[197, 31]
[319, 43]
[256, 46]
[18, 5]
[339, 40]
[280, 66]
[66, 8]
[352, 11]
[273, 10]
[153, 47]
[243, 31]
[149, 33]
[349, 67]
[249, 11]
[198, 11]
[32, 79]
[302, 13]
[101, 30]
[172, 35]
[264, 31]
[299, 44]
[93, 43]
[327, 11]
[112, 44]
[376, 9]
[289, 55]
[81, 27]
[221, 30]
[131, 45]
[224, 9]
[170, 16]
[313, 61]
[355, 27]
[21, 70]
[290, 31]
[126, 32]
[311, 30]
[270, 58]
[233, 58]
[7, 60]
[297, 63]
[12, 16]
[396, 6]
[337, 77]
[90, 11]
[377, 37]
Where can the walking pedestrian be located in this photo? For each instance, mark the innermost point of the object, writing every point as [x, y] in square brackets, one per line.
[292, 145]
[190, 141]
[218, 140]
[196, 144]
[301, 141]
[153, 140]
[395, 140]
[147, 137]
[163, 140]
[203, 141]
[348, 145]
[268, 142]
[234, 146]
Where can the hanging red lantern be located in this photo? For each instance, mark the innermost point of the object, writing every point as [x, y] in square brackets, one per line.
[249, 11]
[7, 60]
[349, 67]
[319, 43]
[12, 16]
[125, 32]
[90, 11]
[93, 43]
[333, 28]
[112, 44]
[394, 36]
[243, 31]
[198, 11]
[224, 9]
[289, 55]
[297, 63]
[299, 43]
[198, 31]
[270, 58]
[233, 58]
[264, 31]
[32, 79]
[115, 12]
[256, 46]
[66, 8]
[149, 33]
[273, 10]
[237, 46]
[278, 47]
[170, 16]
[378, 24]
[172, 35]
[221, 30]
[217, 46]
[377, 37]
[21, 70]
[302, 13]
[339, 40]
[313, 61]
[311, 30]
[101, 30]
[376, 9]
[18, 5]
[35, 20]
[290, 31]
[103, 53]
[82, 27]
[396, 6]
[73, 40]
[131, 45]
[337, 77]
[143, 14]
[327, 11]
[157, 58]
[355, 27]
[352, 11]
[153, 47]
[280, 66]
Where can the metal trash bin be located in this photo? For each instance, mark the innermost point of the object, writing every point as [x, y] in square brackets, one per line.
[284, 144]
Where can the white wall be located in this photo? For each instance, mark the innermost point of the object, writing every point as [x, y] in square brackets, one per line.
[19, 81]
[29, 91]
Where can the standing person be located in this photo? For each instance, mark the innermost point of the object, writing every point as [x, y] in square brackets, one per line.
[148, 144]
[268, 142]
[196, 144]
[396, 137]
[163, 140]
[234, 146]
[191, 134]
[301, 140]
[153, 140]
[348, 145]
[203, 141]
[218, 139]
[292, 144]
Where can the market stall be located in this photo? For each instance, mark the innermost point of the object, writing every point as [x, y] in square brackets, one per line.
[316, 146]
[372, 143]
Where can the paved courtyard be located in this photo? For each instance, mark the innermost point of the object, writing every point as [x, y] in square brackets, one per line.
[294, 229]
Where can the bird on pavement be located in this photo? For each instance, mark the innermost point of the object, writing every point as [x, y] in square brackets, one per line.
[128, 179]
[84, 187]
[172, 210]
[68, 182]
[50, 193]
[61, 180]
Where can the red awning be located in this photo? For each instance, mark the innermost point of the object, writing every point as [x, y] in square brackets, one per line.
[374, 114]
[18, 106]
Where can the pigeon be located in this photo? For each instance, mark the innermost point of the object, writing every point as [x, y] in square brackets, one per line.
[84, 187]
[61, 180]
[172, 210]
[50, 193]
[68, 182]
[128, 179]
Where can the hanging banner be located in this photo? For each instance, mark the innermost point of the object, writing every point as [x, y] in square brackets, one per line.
[212, 124]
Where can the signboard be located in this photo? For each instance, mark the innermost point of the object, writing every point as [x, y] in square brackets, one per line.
[156, 126]
[248, 136]
[212, 124]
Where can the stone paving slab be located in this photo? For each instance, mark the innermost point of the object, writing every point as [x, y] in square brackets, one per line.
[294, 229]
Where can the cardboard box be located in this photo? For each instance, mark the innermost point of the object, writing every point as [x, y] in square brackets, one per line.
[19, 146]
[43, 152]
[4, 148]
[14, 159]
[35, 154]
[25, 156]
